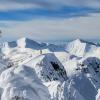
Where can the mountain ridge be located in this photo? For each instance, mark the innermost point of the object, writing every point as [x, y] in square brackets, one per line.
[30, 70]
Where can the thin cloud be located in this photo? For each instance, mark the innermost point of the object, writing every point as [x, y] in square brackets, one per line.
[9, 6]
[29, 9]
[49, 4]
[29, 14]
[81, 27]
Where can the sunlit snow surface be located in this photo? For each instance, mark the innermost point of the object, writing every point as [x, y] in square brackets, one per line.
[31, 70]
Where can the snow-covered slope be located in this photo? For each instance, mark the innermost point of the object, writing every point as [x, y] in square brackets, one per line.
[80, 47]
[91, 66]
[30, 70]
[48, 67]
[22, 84]
[63, 91]
[28, 43]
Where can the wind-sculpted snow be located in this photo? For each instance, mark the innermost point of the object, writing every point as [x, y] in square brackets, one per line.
[22, 83]
[31, 70]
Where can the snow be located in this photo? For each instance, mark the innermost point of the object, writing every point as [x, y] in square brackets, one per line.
[63, 91]
[28, 43]
[70, 67]
[44, 68]
[98, 95]
[80, 47]
[23, 83]
[76, 47]
[84, 86]
[30, 70]
[62, 56]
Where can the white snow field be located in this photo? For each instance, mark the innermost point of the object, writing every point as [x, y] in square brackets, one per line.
[31, 70]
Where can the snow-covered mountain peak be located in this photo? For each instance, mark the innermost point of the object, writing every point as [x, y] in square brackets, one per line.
[80, 47]
[48, 67]
[23, 38]
[27, 43]
[26, 40]
[78, 40]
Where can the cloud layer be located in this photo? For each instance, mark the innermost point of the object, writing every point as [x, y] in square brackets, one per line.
[48, 3]
[44, 29]
[50, 19]
[29, 9]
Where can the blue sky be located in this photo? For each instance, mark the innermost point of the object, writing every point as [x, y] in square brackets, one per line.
[50, 19]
